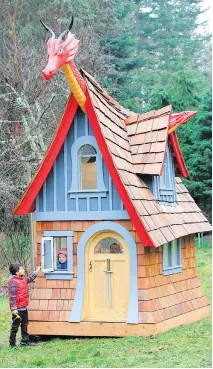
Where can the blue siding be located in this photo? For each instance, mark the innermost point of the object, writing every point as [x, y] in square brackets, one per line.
[82, 204]
[94, 204]
[60, 181]
[54, 196]
[80, 124]
[40, 200]
[91, 131]
[72, 205]
[116, 202]
[105, 200]
[50, 192]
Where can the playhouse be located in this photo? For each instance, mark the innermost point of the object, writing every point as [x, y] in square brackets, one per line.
[109, 198]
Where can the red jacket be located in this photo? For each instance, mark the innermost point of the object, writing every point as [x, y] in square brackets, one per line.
[18, 291]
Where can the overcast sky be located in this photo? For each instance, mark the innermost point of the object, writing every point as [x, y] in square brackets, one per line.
[208, 14]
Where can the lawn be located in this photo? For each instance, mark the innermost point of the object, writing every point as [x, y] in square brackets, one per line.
[183, 347]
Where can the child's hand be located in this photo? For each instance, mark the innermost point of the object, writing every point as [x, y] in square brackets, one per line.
[15, 312]
[38, 269]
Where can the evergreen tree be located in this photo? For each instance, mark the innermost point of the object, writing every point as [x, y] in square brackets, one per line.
[187, 90]
[167, 39]
[199, 158]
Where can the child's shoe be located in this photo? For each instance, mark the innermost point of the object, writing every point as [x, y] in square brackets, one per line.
[12, 345]
[28, 343]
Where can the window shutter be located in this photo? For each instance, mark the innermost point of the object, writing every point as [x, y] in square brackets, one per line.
[172, 257]
[179, 256]
[164, 186]
[47, 254]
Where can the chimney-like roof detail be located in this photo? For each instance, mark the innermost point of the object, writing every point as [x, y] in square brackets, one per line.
[148, 135]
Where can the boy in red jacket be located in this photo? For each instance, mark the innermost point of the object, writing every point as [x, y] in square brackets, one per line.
[18, 298]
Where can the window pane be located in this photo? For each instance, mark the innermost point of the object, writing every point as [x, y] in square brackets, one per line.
[166, 255]
[163, 183]
[179, 251]
[109, 245]
[174, 253]
[60, 252]
[87, 150]
[47, 254]
[170, 253]
[88, 172]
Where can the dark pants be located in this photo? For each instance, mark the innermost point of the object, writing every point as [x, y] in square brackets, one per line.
[23, 320]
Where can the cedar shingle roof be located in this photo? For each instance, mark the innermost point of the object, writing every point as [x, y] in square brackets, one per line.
[163, 223]
[156, 224]
[148, 134]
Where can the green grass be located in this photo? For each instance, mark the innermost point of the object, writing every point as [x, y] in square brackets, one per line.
[183, 347]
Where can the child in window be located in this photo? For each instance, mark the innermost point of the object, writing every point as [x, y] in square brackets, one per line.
[18, 298]
[62, 259]
[115, 249]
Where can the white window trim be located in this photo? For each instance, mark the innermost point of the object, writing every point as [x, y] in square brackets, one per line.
[43, 254]
[58, 274]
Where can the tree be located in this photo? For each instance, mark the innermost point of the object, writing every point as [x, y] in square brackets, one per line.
[199, 159]
[167, 38]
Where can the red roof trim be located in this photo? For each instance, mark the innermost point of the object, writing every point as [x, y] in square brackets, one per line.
[145, 239]
[178, 154]
[26, 204]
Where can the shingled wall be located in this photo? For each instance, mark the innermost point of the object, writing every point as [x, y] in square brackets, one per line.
[161, 298]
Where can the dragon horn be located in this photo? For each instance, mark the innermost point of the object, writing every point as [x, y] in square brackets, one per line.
[63, 34]
[48, 29]
[71, 24]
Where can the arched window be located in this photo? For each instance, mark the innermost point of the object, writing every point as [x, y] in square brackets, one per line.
[87, 156]
[87, 169]
[108, 245]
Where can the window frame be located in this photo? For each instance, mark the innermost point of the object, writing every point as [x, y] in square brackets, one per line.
[43, 239]
[80, 168]
[58, 274]
[168, 253]
[164, 186]
[75, 189]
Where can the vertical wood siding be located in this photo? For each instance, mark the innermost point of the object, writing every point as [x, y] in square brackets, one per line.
[54, 196]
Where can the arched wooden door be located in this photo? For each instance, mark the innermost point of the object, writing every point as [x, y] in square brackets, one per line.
[107, 278]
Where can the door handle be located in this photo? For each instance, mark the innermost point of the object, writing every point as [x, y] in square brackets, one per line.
[90, 266]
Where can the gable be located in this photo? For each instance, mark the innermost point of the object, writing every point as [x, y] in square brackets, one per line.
[60, 192]
[148, 134]
[155, 224]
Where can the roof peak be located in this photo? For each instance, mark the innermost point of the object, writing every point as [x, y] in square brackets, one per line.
[140, 117]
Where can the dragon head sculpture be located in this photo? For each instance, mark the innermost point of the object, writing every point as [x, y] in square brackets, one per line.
[61, 53]
[61, 50]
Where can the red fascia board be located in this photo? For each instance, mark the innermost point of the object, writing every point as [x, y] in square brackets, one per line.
[145, 239]
[26, 204]
[178, 154]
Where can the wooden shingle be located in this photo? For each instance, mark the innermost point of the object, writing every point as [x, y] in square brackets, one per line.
[137, 144]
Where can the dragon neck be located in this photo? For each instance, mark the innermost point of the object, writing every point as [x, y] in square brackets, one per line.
[76, 83]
